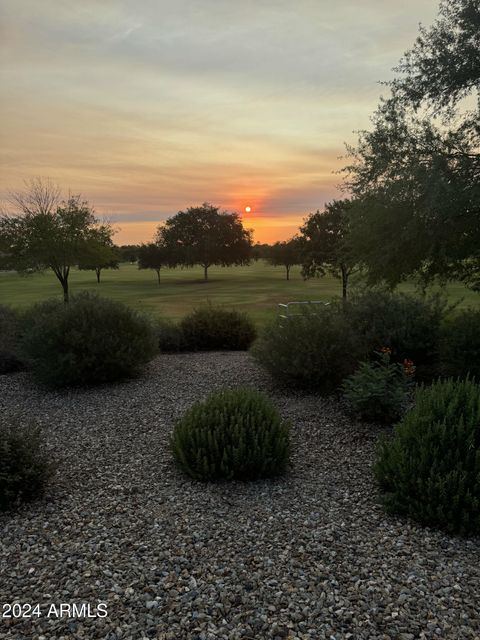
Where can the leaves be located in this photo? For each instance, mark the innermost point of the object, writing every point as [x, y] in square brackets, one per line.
[416, 174]
[203, 235]
[234, 434]
[430, 470]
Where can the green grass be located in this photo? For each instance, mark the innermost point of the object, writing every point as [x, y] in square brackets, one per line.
[256, 289]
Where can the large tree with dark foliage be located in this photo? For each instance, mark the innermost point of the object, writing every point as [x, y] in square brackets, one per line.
[206, 236]
[326, 246]
[417, 172]
[46, 232]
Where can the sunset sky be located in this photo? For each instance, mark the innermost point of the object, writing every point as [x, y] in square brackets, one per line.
[150, 106]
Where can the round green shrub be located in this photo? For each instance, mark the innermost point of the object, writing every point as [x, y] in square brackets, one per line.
[460, 345]
[170, 337]
[235, 434]
[317, 349]
[430, 470]
[210, 328]
[9, 357]
[378, 391]
[409, 326]
[89, 341]
[24, 468]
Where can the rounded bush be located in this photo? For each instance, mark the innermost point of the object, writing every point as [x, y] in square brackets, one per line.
[460, 345]
[90, 341]
[24, 468]
[170, 337]
[210, 328]
[409, 326]
[9, 357]
[317, 349]
[378, 391]
[430, 470]
[235, 434]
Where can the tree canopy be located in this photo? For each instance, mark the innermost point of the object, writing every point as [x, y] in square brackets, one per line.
[326, 246]
[206, 236]
[285, 254]
[128, 252]
[155, 256]
[46, 232]
[101, 253]
[417, 172]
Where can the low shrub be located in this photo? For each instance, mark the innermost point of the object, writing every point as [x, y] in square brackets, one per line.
[460, 345]
[409, 326]
[317, 349]
[24, 468]
[9, 357]
[430, 470]
[90, 341]
[170, 337]
[235, 434]
[379, 391]
[211, 328]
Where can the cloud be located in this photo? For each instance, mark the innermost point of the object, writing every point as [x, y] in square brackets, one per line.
[149, 107]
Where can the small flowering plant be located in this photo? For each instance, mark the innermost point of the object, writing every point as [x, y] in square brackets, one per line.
[409, 368]
[379, 391]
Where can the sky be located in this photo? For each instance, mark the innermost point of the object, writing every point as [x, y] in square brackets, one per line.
[147, 107]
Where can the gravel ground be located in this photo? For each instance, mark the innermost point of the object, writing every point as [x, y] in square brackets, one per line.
[310, 555]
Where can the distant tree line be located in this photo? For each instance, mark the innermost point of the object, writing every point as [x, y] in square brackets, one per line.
[48, 231]
[413, 182]
[205, 236]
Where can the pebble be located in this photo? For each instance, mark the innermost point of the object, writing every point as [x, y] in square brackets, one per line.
[308, 556]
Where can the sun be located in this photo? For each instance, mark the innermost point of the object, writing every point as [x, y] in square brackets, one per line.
[248, 209]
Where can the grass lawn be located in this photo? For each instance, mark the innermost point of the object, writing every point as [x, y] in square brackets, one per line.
[256, 289]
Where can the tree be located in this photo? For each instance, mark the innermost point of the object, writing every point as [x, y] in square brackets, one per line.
[260, 251]
[45, 232]
[102, 253]
[285, 254]
[155, 256]
[203, 235]
[417, 172]
[326, 243]
[128, 252]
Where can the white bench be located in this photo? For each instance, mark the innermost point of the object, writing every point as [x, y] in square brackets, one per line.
[287, 310]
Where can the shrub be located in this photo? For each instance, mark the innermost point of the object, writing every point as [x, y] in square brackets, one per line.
[430, 470]
[317, 349]
[460, 345]
[378, 391]
[170, 337]
[409, 326]
[9, 358]
[208, 328]
[24, 469]
[91, 340]
[235, 434]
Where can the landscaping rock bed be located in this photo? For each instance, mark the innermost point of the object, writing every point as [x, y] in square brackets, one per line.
[311, 555]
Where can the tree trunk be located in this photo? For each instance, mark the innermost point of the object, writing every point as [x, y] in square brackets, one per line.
[158, 275]
[344, 282]
[288, 272]
[62, 277]
[205, 272]
[98, 271]
[65, 290]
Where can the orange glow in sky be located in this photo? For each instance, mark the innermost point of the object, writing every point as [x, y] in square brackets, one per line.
[149, 108]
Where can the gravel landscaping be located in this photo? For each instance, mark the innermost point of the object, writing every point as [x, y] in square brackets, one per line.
[308, 556]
